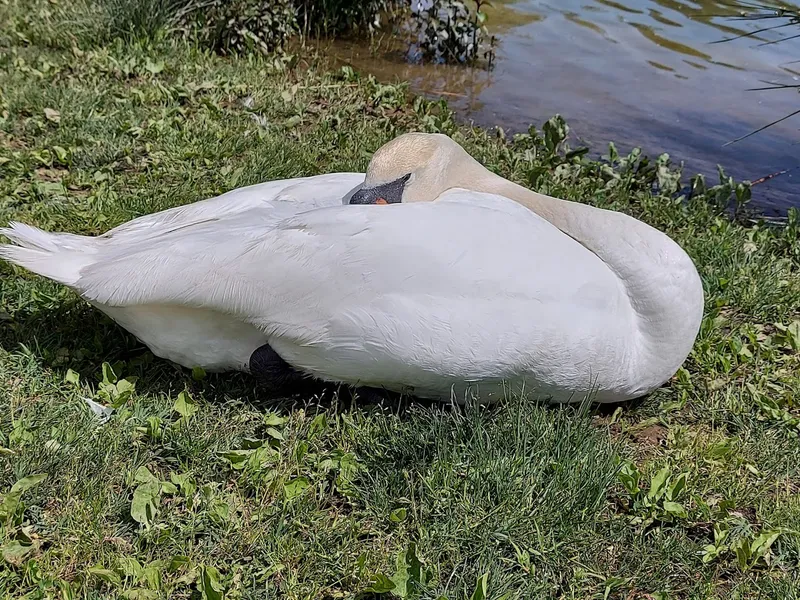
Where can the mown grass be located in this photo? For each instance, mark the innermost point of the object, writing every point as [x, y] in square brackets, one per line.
[202, 486]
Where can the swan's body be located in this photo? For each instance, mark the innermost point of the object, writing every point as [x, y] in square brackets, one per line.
[491, 285]
[185, 335]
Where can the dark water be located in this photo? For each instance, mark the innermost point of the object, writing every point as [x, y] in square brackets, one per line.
[637, 72]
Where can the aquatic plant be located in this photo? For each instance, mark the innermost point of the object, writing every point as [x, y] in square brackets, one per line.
[450, 32]
[774, 18]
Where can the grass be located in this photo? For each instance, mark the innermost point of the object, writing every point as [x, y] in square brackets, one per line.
[202, 486]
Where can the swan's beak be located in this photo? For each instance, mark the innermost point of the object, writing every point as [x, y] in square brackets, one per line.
[387, 193]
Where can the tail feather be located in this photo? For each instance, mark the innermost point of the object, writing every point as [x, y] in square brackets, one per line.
[57, 256]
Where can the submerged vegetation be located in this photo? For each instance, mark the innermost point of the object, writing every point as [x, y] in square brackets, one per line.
[123, 476]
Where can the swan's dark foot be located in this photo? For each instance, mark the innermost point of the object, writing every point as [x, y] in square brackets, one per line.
[272, 371]
[369, 395]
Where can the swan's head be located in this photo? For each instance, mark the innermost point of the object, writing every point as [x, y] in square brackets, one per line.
[416, 167]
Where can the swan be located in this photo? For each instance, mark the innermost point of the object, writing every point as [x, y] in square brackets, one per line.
[462, 284]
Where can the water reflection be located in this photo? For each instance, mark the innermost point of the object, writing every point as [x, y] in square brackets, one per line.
[669, 44]
[643, 72]
[618, 6]
[573, 17]
[462, 87]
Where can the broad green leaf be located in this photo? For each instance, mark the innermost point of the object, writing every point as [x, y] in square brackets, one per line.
[153, 428]
[154, 67]
[106, 575]
[126, 386]
[168, 488]
[296, 487]
[72, 377]
[630, 476]
[398, 515]
[11, 500]
[709, 553]
[177, 562]
[130, 567]
[273, 420]
[676, 487]
[348, 467]
[348, 464]
[630, 484]
[237, 458]
[318, 425]
[185, 482]
[143, 475]
[261, 458]
[109, 377]
[209, 585]
[15, 552]
[742, 550]
[250, 443]
[61, 154]
[145, 502]
[380, 584]
[184, 406]
[408, 573]
[658, 483]
[481, 588]
[198, 373]
[675, 509]
[118, 394]
[274, 433]
[300, 451]
[794, 333]
[220, 511]
[763, 542]
[721, 532]
[151, 575]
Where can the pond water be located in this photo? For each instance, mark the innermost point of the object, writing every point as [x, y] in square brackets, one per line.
[641, 73]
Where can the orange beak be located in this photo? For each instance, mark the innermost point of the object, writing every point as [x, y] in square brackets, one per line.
[381, 201]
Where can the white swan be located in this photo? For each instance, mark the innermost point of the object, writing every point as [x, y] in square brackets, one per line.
[490, 287]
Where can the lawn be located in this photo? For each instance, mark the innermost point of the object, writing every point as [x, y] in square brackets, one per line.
[203, 486]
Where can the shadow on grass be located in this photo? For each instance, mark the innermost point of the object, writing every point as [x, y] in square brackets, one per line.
[74, 335]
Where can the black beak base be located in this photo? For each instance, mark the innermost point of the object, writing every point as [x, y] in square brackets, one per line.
[390, 193]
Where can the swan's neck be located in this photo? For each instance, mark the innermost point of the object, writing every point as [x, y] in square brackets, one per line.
[661, 281]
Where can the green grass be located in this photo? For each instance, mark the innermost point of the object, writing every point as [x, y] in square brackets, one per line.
[198, 486]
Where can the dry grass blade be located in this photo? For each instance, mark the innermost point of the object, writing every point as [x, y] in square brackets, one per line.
[751, 33]
[760, 129]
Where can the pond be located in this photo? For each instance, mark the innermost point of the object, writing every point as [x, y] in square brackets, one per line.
[644, 73]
